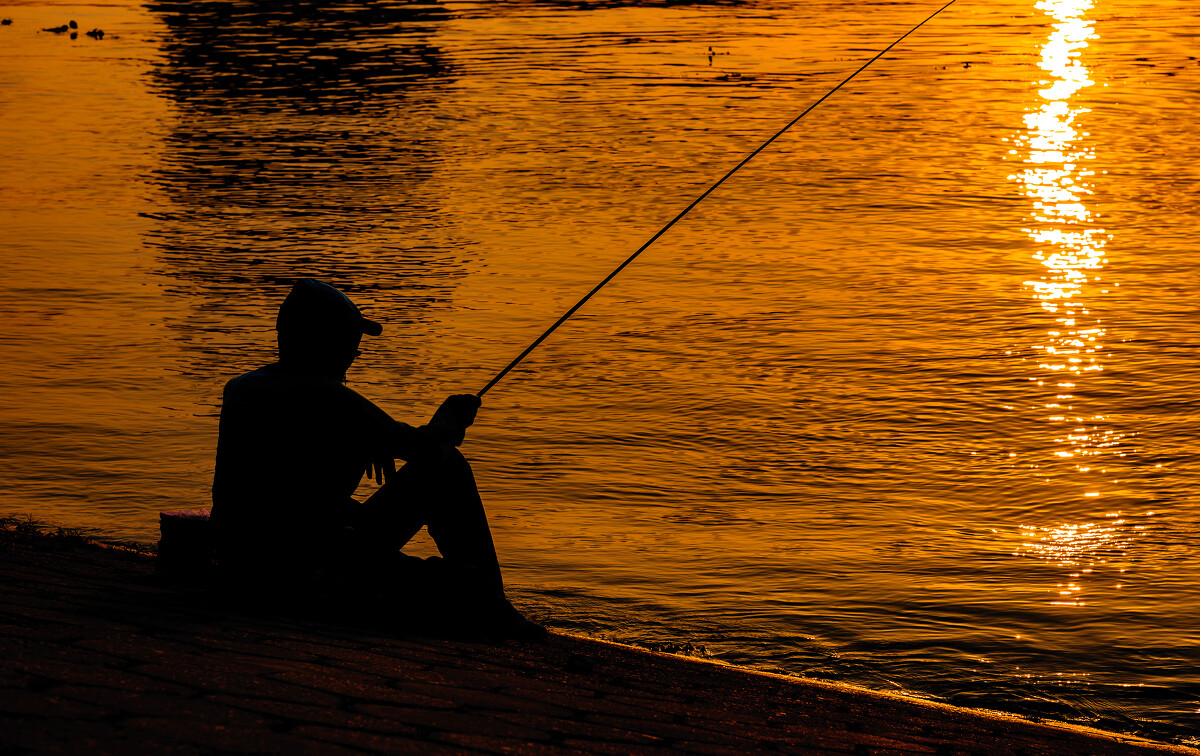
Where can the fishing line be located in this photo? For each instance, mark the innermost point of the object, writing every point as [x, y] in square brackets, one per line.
[695, 202]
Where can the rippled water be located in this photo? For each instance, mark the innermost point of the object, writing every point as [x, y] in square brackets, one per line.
[909, 402]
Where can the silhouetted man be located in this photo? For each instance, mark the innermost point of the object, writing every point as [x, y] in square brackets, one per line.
[294, 444]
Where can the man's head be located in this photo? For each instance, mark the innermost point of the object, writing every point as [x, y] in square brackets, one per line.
[320, 328]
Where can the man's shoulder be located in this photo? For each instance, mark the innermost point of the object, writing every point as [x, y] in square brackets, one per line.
[276, 374]
[260, 377]
[252, 374]
[275, 380]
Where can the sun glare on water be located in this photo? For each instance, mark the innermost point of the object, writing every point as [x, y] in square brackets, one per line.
[1070, 251]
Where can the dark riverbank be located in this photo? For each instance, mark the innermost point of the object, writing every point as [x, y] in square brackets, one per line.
[98, 655]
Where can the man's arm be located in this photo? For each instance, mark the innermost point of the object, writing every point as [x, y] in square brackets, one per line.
[392, 439]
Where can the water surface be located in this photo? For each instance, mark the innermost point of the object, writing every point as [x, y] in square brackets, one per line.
[909, 402]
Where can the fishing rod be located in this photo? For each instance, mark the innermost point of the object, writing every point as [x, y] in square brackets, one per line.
[695, 202]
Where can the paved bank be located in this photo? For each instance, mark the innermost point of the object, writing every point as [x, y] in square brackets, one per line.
[97, 655]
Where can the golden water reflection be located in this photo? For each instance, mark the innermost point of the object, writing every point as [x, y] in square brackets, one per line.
[1080, 549]
[1055, 153]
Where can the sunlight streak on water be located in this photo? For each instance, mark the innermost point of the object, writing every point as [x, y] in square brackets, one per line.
[1071, 253]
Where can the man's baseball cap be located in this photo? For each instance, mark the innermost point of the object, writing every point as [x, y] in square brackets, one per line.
[315, 306]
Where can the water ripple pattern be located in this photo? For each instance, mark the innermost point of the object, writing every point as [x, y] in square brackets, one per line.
[910, 401]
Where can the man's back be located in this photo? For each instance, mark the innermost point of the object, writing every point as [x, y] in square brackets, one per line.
[291, 451]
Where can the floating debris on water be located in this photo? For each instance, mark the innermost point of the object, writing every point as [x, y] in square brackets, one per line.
[71, 26]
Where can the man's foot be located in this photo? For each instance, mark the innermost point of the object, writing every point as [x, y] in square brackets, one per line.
[511, 624]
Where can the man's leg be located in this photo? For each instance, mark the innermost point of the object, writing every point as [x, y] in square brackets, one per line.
[443, 496]
[466, 586]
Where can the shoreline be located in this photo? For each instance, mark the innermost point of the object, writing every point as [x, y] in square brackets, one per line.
[97, 652]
